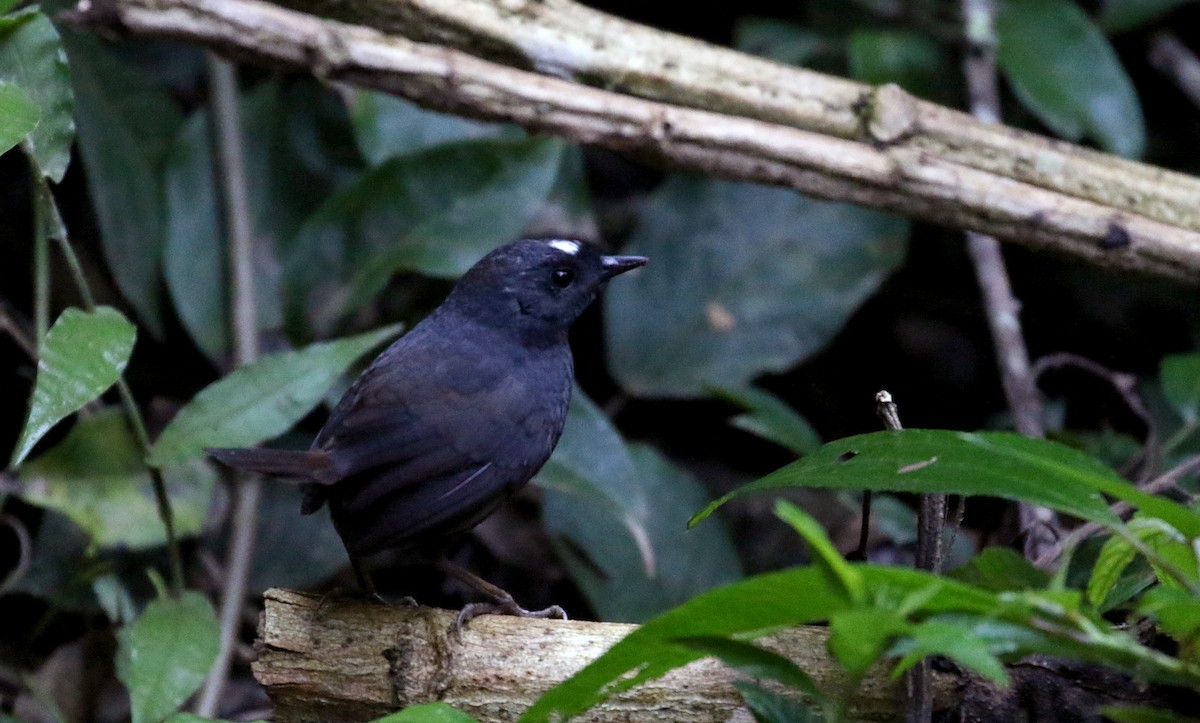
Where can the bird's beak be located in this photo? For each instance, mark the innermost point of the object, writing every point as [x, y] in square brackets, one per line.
[614, 265]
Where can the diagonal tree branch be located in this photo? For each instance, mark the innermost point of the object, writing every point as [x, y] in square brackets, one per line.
[715, 111]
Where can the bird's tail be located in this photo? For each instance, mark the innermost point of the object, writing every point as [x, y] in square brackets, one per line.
[305, 466]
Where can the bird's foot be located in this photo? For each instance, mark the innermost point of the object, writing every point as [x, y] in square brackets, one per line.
[505, 606]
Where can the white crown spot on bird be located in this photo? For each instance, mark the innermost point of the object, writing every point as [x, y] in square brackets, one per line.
[567, 247]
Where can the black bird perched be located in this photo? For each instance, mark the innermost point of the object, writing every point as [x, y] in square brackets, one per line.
[456, 414]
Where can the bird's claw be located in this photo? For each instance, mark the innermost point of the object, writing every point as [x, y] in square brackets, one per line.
[505, 607]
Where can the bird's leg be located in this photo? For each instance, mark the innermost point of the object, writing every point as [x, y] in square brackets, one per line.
[365, 583]
[504, 603]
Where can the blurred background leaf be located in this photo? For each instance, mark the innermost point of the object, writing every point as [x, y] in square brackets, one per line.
[96, 476]
[386, 126]
[18, 115]
[1065, 72]
[766, 279]
[436, 211]
[260, 401]
[619, 515]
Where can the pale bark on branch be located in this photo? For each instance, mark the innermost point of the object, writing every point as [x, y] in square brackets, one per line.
[338, 660]
[557, 67]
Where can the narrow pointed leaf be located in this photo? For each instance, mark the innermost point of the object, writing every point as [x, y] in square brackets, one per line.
[771, 418]
[1000, 464]
[754, 661]
[821, 548]
[262, 400]
[82, 356]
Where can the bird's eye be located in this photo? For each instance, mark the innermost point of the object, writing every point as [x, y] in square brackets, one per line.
[562, 278]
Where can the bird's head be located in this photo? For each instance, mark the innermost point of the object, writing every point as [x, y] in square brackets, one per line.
[538, 286]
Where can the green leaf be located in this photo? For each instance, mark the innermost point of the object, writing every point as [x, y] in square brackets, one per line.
[282, 193]
[427, 713]
[1001, 464]
[769, 707]
[193, 718]
[436, 212]
[1062, 68]
[1139, 714]
[771, 418]
[18, 115]
[31, 56]
[745, 279]
[749, 608]
[1118, 552]
[821, 548]
[163, 657]
[859, 637]
[1178, 615]
[952, 640]
[126, 126]
[386, 126]
[261, 400]
[1180, 374]
[754, 661]
[97, 477]
[82, 355]
[1117, 16]
[624, 510]
[905, 57]
[999, 569]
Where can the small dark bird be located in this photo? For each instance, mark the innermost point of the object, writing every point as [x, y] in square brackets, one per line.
[455, 415]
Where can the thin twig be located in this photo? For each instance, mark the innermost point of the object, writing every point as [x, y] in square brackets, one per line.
[230, 148]
[133, 414]
[10, 325]
[1003, 309]
[931, 517]
[1124, 384]
[1172, 57]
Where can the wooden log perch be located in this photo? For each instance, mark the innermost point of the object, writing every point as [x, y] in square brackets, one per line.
[557, 67]
[343, 660]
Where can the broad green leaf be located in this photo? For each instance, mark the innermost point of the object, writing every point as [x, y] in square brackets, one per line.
[745, 279]
[753, 661]
[261, 400]
[625, 509]
[952, 640]
[821, 548]
[163, 657]
[282, 193]
[125, 129]
[907, 58]
[1000, 568]
[1117, 16]
[82, 356]
[31, 57]
[193, 718]
[427, 713]
[18, 115]
[436, 212]
[771, 418]
[770, 707]
[386, 126]
[97, 477]
[1062, 68]
[1001, 464]
[1180, 375]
